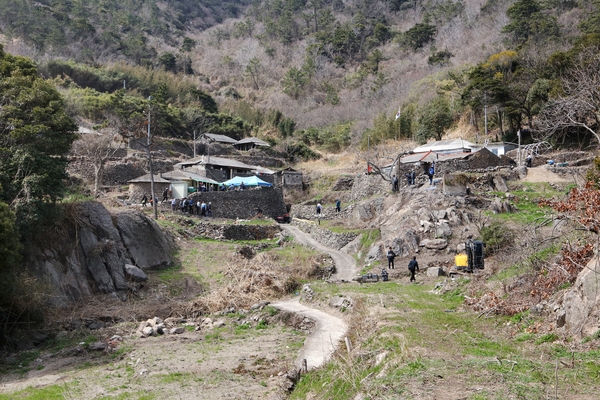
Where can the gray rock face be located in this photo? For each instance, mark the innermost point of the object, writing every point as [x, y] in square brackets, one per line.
[135, 274]
[374, 253]
[91, 255]
[581, 303]
[148, 247]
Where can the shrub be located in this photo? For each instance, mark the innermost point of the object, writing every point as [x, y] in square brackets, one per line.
[496, 236]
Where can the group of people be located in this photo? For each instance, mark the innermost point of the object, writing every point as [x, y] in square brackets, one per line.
[413, 265]
[411, 178]
[338, 207]
[189, 206]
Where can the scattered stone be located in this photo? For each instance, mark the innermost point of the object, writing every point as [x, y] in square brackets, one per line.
[96, 325]
[148, 331]
[219, 323]
[337, 301]
[135, 274]
[434, 244]
[307, 292]
[260, 305]
[97, 346]
[435, 271]
[177, 331]
[144, 372]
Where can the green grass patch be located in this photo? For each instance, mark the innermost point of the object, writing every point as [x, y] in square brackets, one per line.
[53, 392]
[547, 338]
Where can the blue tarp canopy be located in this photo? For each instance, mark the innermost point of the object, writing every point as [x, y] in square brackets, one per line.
[248, 181]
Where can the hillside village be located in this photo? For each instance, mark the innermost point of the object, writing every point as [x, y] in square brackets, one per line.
[299, 199]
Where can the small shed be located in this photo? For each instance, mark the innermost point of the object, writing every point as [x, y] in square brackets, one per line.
[290, 179]
[141, 186]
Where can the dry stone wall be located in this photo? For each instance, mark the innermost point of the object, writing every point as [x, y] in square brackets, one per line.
[243, 204]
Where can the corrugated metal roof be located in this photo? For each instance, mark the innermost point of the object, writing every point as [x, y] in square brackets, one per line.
[217, 161]
[256, 141]
[220, 138]
[430, 156]
[444, 145]
[263, 170]
[146, 179]
[186, 175]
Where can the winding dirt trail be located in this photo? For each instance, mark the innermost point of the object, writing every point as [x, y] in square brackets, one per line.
[345, 264]
[329, 331]
[322, 342]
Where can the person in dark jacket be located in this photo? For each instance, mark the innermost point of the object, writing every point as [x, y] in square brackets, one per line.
[390, 256]
[413, 266]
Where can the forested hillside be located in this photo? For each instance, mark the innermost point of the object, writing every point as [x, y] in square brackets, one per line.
[324, 74]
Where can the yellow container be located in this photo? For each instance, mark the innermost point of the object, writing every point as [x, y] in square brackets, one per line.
[461, 260]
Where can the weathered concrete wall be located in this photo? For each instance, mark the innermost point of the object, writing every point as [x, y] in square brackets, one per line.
[243, 204]
[90, 256]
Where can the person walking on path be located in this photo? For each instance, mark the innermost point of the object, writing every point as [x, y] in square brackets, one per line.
[390, 256]
[395, 184]
[319, 209]
[144, 200]
[338, 205]
[413, 266]
[431, 174]
[412, 177]
[165, 194]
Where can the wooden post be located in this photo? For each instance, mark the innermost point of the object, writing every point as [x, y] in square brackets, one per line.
[348, 344]
[304, 366]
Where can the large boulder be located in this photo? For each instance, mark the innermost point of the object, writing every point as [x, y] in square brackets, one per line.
[147, 244]
[434, 244]
[581, 303]
[135, 274]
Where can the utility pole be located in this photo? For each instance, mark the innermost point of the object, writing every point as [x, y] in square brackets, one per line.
[194, 143]
[154, 198]
[485, 109]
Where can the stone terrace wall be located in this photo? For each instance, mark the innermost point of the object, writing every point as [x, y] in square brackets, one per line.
[242, 204]
[236, 232]
[325, 236]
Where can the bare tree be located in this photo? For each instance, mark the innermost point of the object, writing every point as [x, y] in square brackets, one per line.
[96, 148]
[578, 106]
[382, 163]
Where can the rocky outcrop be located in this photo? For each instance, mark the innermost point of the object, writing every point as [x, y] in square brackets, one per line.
[144, 240]
[91, 255]
[580, 313]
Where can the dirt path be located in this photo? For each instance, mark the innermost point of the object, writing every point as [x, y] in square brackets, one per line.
[329, 331]
[345, 264]
[541, 174]
[320, 344]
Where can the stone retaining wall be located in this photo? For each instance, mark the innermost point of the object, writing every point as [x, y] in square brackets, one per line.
[243, 204]
[236, 232]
